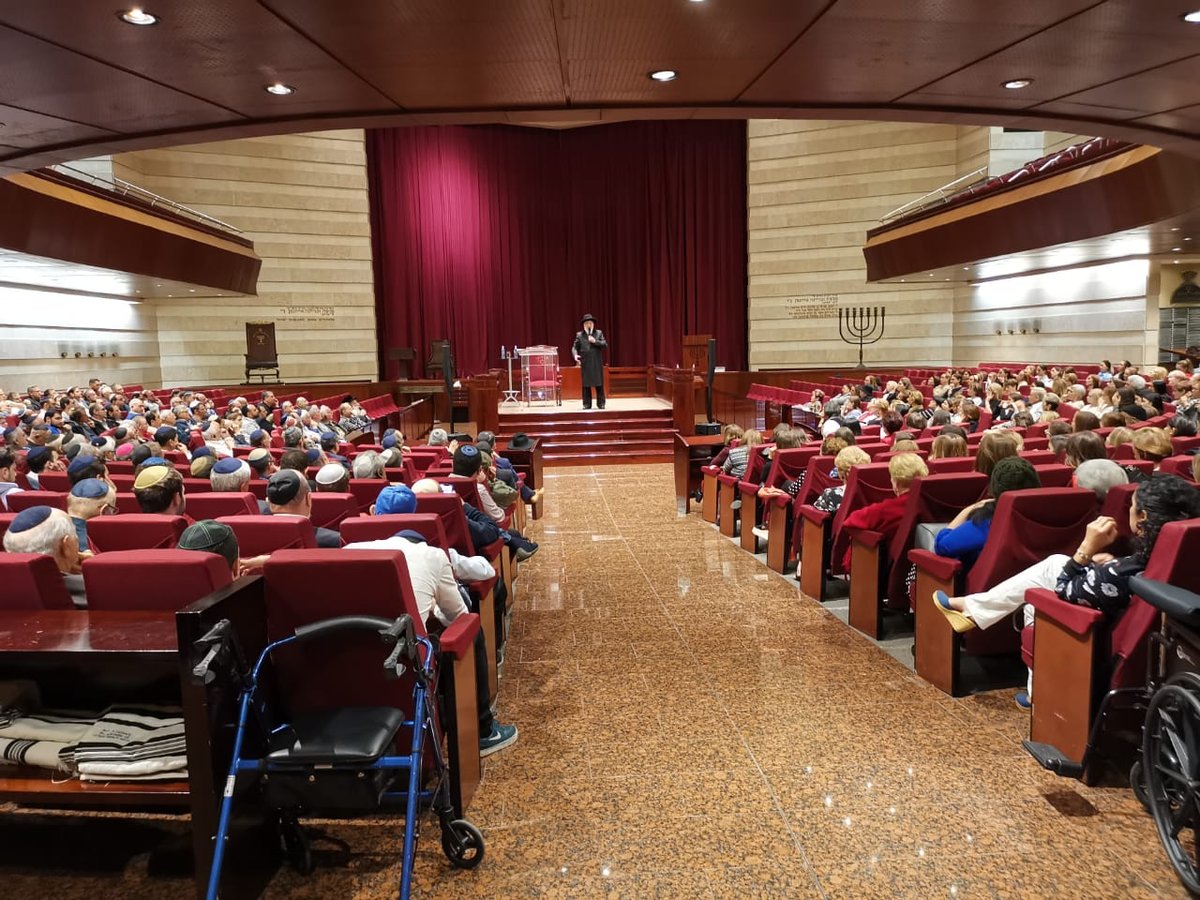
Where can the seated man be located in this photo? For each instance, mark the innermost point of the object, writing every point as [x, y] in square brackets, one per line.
[329, 445]
[437, 593]
[367, 465]
[261, 463]
[209, 536]
[288, 495]
[233, 475]
[49, 532]
[167, 437]
[85, 466]
[486, 442]
[468, 464]
[90, 498]
[884, 516]
[333, 478]
[39, 459]
[8, 476]
[159, 491]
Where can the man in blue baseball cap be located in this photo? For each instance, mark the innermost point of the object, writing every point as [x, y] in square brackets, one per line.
[439, 597]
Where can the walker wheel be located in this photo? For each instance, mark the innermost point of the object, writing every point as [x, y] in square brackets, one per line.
[463, 844]
[296, 846]
[1137, 781]
[1171, 763]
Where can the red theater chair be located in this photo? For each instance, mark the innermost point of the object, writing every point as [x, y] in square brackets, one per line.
[215, 504]
[258, 535]
[454, 523]
[153, 579]
[1181, 445]
[1038, 457]
[21, 500]
[874, 575]
[787, 465]
[783, 537]
[1178, 465]
[5, 520]
[137, 531]
[366, 492]
[1077, 657]
[127, 504]
[55, 481]
[121, 482]
[951, 464]
[1054, 475]
[31, 581]
[823, 542]
[194, 485]
[304, 586]
[1027, 527]
[329, 510]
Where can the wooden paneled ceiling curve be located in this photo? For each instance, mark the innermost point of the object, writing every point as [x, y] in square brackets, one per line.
[76, 81]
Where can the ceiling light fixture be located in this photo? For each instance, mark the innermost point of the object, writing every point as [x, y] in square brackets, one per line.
[1017, 83]
[1192, 18]
[279, 89]
[1176, 249]
[664, 75]
[137, 16]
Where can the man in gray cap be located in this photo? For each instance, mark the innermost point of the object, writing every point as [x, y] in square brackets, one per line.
[288, 495]
[49, 532]
[588, 352]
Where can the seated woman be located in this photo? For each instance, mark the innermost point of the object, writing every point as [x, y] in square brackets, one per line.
[1082, 446]
[1153, 444]
[831, 498]
[739, 456]
[964, 537]
[731, 436]
[994, 446]
[1089, 577]
[946, 446]
[885, 516]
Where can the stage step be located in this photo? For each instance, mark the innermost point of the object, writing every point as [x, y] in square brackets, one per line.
[592, 437]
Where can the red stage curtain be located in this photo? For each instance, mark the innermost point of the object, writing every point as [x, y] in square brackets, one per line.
[497, 235]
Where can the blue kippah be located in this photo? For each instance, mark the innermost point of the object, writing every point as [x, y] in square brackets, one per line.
[36, 453]
[468, 450]
[165, 433]
[153, 461]
[395, 499]
[8, 432]
[201, 451]
[28, 518]
[389, 441]
[313, 456]
[256, 435]
[90, 488]
[99, 442]
[227, 466]
[79, 463]
[415, 536]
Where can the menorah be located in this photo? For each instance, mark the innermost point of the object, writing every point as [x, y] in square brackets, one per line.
[861, 325]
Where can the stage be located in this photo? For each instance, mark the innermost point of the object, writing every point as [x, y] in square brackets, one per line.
[612, 406]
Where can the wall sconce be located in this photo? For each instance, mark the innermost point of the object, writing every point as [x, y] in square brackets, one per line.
[78, 354]
[1010, 331]
[63, 354]
[1022, 331]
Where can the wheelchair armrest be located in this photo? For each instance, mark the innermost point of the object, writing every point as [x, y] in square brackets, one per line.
[1178, 603]
[459, 638]
[942, 568]
[814, 515]
[1076, 619]
[353, 623]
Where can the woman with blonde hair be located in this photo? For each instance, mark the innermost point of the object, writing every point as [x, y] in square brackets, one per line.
[1153, 444]
[946, 446]
[739, 456]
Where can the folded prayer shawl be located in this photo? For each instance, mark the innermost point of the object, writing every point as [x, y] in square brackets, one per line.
[65, 729]
[133, 742]
[44, 754]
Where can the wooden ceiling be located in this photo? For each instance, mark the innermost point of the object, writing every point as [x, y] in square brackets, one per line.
[76, 81]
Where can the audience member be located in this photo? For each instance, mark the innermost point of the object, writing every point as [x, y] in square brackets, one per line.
[49, 532]
[884, 516]
[1099, 475]
[947, 446]
[159, 490]
[209, 536]
[993, 447]
[830, 499]
[288, 494]
[90, 498]
[332, 478]
[8, 476]
[967, 532]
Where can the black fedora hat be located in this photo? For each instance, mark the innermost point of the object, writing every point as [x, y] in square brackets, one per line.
[587, 318]
[521, 441]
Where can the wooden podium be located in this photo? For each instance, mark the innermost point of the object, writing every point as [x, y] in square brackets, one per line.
[261, 356]
[695, 353]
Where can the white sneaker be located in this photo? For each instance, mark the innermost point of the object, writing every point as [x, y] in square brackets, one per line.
[760, 533]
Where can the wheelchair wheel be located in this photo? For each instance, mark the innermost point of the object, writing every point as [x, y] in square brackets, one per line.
[296, 846]
[1171, 762]
[462, 843]
[1137, 781]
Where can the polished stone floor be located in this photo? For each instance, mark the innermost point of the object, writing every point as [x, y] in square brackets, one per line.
[691, 726]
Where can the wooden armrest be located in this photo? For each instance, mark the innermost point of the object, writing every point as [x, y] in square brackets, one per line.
[459, 639]
[1071, 616]
[814, 515]
[942, 568]
[865, 537]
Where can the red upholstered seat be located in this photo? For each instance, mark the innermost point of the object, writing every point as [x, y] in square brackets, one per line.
[1121, 452]
[266, 534]
[378, 528]
[366, 491]
[152, 579]
[55, 481]
[449, 508]
[1178, 465]
[329, 510]
[5, 520]
[120, 482]
[951, 464]
[213, 504]
[304, 586]
[31, 581]
[140, 531]
[119, 467]
[195, 485]
[1038, 457]
[127, 504]
[1055, 475]
[1181, 445]
[18, 501]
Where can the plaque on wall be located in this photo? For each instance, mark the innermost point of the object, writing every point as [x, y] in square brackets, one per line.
[1188, 291]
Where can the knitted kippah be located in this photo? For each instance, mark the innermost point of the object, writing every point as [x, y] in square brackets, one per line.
[151, 475]
[259, 453]
[164, 434]
[36, 453]
[208, 536]
[313, 456]
[256, 435]
[1013, 474]
[468, 450]
[72, 450]
[202, 466]
[30, 518]
[389, 441]
[90, 489]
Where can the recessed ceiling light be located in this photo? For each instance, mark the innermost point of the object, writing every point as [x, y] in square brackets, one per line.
[1175, 261]
[1176, 249]
[1187, 239]
[1017, 83]
[1193, 17]
[1175, 228]
[279, 89]
[664, 75]
[137, 16]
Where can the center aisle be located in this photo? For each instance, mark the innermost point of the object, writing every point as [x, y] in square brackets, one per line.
[693, 727]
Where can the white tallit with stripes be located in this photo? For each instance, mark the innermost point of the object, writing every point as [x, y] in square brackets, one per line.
[133, 743]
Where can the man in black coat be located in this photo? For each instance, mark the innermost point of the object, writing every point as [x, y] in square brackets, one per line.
[587, 350]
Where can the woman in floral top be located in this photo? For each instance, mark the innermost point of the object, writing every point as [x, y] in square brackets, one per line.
[1089, 577]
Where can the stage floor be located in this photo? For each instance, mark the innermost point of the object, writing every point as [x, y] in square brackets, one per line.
[574, 404]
